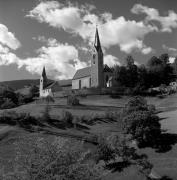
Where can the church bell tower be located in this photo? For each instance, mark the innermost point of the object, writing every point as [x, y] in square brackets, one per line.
[43, 80]
[97, 63]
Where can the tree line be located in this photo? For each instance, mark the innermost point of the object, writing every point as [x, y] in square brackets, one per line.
[157, 71]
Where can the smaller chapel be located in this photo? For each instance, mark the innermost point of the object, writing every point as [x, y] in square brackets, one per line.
[47, 88]
[97, 75]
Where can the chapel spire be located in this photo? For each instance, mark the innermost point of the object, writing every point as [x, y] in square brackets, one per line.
[44, 73]
[97, 43]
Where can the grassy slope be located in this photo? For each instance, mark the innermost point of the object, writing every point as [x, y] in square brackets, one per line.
[164, 163]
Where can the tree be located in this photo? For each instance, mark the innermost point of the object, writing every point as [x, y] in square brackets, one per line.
[137, 103]
[159, 70]
[132, 72]
[116, 151]
[139, 120]
[143, 126]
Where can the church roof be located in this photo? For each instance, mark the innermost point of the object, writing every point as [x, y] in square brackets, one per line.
[43, 72]
[85, 72]
[97, 43]
[107, 68]
[50, 85]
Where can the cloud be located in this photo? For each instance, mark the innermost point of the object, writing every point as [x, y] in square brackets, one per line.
[60, 60]
[111, 60]
[169, 48]
[8, 38]
[167, 22]
[6, 57]
[172, 51]
[127, 34]
[147, 50]
[172, 59]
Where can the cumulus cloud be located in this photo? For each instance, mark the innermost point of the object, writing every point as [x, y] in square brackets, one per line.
[61, 60]
[172, 59]
[128, 34]
[111, 60]
[6, 57]
[167, 22]
[8, 38]
[172, 51]
[165, 47]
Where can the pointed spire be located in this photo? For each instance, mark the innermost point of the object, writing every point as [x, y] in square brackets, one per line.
[43, 72]
[97, 43]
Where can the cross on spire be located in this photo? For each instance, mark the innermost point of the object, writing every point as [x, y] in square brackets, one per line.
[97, 43]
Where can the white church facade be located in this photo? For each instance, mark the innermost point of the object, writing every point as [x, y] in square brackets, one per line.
[97, 75]
[47, 88]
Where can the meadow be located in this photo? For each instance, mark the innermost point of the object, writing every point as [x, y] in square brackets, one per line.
[165, 162]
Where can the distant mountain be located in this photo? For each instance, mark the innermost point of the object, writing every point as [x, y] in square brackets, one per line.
[19, 84]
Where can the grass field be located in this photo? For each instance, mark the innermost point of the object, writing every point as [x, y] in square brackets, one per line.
[164, 163]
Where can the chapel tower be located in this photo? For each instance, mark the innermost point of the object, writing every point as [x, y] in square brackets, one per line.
[97, 63]
[43, 80]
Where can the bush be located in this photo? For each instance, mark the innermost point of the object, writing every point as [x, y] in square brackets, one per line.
[72, 100]
[24, 120]
[49, 99]
[143, 126]
[46, 114]
[8, 103]
[117, 151]
[42, 159]
[67, 117]
[9, 94]
[137, 103]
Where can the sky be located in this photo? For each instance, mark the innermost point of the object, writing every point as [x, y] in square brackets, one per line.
[60, 34]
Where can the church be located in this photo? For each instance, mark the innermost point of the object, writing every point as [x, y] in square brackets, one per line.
[97, 75]
[46, 87]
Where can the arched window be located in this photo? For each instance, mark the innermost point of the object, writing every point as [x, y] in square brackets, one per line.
[94, 56]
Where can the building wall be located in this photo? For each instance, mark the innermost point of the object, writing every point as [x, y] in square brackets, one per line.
[46, 92]
[85, 82]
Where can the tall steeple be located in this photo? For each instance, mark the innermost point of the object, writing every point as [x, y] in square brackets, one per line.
[43, 79]
[97, 43]
[44, 73]
[97, 63]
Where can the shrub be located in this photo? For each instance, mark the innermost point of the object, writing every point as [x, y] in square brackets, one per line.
[72, 100]
[46, 114]
[67, 117]
[49, 99]
[22, 119]
[10, 94]
[137, 103]
[40, 159]
[117, 150]
[143, 126]
[8, 103]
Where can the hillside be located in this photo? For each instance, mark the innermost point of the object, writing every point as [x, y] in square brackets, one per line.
[19, 84]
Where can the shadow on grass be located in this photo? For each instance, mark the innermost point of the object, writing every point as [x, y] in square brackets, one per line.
[166, 178]
[161, 144]
[165, 142]
[118, 166]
